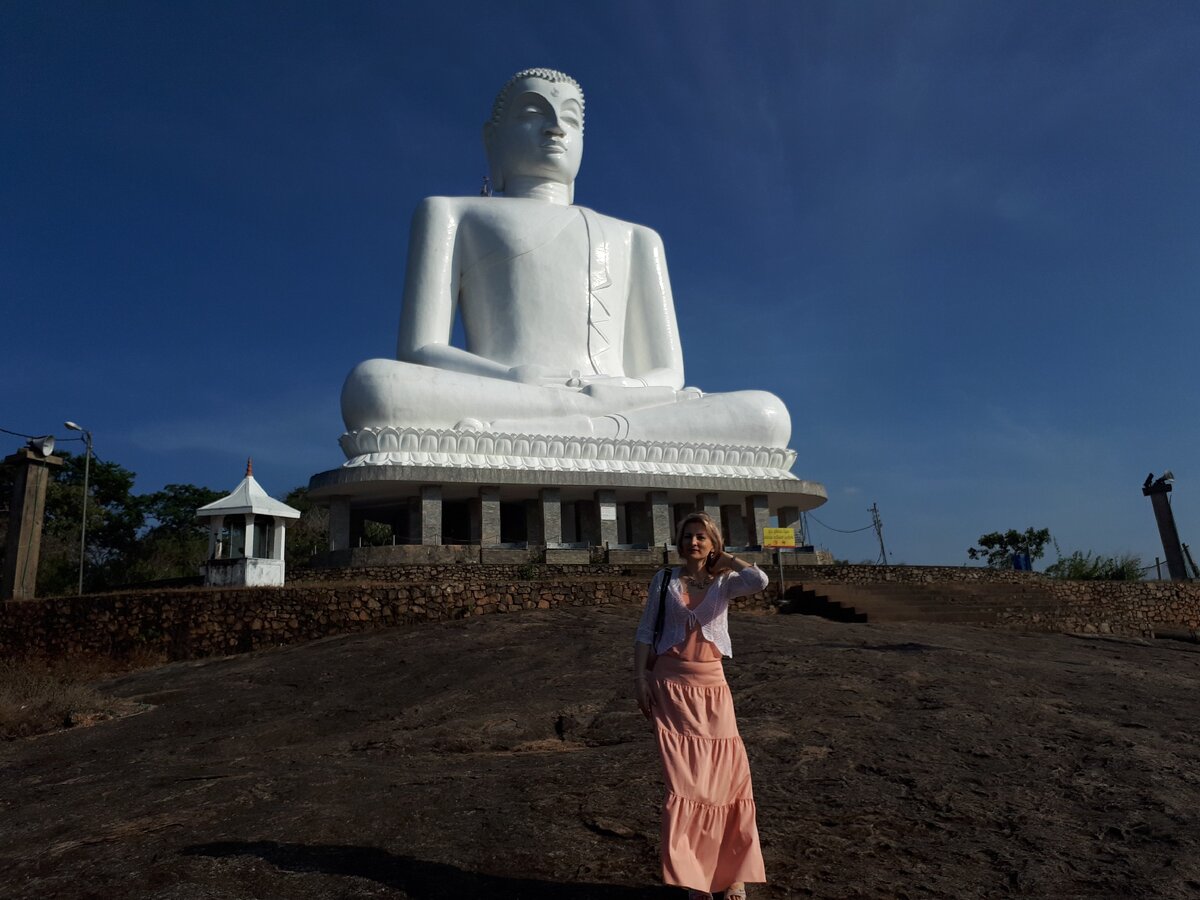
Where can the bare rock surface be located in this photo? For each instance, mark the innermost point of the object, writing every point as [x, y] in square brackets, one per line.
[503, 757]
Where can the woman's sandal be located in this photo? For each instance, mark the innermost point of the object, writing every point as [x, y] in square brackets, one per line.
[739, 894]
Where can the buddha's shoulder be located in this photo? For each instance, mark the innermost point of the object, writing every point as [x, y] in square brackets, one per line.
[613, 224]
[494, 208]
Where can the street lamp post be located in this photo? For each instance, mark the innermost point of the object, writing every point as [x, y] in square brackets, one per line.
[87, 465]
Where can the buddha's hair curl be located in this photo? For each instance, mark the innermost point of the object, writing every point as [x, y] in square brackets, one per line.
[552, 75]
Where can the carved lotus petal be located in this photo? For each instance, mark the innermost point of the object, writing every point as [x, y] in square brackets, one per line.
[521, 446]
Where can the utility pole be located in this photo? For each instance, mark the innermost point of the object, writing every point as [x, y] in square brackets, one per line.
[1157, 490]
[878, 523]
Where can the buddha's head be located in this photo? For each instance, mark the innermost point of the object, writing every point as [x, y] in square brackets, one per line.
[536, 129]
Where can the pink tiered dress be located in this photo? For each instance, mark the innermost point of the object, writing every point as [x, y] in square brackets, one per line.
[709, 835]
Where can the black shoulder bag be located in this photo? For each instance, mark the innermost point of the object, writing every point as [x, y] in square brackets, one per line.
[660, 618]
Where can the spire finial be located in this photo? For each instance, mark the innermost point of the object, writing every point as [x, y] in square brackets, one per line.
[249, 466]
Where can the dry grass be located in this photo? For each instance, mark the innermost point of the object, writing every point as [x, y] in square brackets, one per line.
[37, 696]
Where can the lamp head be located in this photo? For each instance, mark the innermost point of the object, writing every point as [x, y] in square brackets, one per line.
[1167, 476]
[72, 426]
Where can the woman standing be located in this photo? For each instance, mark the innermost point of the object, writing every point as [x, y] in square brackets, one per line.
[709, 836]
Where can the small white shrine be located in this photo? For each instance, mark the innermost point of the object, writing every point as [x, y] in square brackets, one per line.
[246, 533]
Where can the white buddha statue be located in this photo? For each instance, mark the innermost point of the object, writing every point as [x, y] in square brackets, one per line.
[570, 326]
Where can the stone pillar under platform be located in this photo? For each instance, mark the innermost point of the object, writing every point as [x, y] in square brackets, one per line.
[431, 514]
[789, 517]
[606, 513]
[659, 514]
[550, 513]
[708, 503]
[757, 518]
[339, 523]
[733, 525]
[488, 506]
[26, 512]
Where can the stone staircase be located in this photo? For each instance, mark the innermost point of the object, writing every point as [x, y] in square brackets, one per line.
[957, 602]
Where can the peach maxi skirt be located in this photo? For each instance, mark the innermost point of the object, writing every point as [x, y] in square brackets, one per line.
[709, 836]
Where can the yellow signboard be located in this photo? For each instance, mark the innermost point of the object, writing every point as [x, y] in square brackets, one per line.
[779, 537]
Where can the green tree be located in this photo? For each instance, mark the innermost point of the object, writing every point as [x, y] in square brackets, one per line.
[310, 534]
[999, 547]
[114, 519]
[175, 543]
[1084, 566]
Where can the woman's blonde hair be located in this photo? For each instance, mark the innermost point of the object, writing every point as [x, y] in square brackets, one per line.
[711, 528]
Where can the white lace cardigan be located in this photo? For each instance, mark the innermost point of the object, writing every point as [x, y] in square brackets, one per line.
[712, 615]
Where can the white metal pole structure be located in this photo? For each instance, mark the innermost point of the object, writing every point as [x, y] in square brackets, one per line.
[87, 465]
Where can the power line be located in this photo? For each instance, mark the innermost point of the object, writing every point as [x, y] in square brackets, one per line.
[33, 437]
[840, 530]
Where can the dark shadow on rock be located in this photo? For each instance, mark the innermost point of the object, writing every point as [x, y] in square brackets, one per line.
[418, 878]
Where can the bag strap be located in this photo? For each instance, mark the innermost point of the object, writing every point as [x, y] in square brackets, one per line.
[662, 607]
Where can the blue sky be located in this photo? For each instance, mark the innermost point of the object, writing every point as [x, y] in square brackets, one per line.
[960, 240]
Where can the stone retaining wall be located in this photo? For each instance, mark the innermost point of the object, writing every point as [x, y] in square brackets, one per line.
[404, 574]
[1111, 607]
[867, 575]
[188, 623]
[196, 622]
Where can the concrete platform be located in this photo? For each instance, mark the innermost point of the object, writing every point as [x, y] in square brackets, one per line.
[455, 505]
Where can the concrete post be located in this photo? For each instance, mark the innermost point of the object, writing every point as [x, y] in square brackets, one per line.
[550, 512]
[489, 516]
[660, 518]
[733, 525]
[339, 523]
[431, 514]
[248, 545]
[606, 513]
[26, 513]
[789, 517]
[708, 503]
[280, 539]
[215, 524]
[757, 518]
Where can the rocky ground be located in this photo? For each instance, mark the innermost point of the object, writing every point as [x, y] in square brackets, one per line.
[502, 757]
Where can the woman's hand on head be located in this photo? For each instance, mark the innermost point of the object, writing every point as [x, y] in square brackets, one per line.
[719, 562]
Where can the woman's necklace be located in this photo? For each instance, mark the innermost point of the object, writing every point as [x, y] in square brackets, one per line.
[699, 581]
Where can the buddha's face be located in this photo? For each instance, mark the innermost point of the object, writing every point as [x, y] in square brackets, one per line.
[539, 135]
